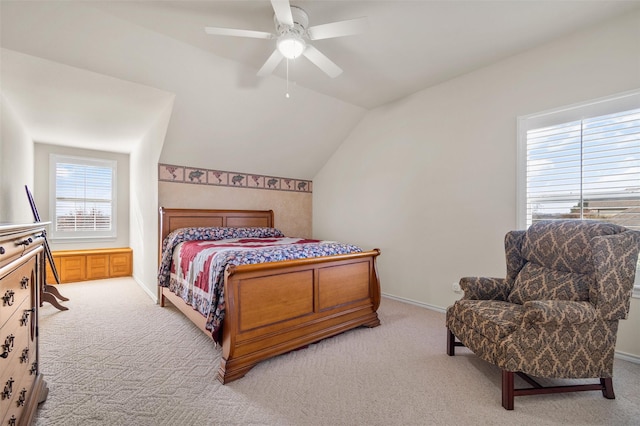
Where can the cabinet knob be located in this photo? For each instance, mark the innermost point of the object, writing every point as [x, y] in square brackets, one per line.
[24, 358]
[24, 283]
[12, 420]
[33, 369]
[8, 389]
[7, 347]
[25, 318]
[25, 242]
[7, 299]
[2, 250]
[22, 398]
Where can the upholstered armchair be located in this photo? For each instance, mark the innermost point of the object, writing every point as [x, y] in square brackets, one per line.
[556, 313]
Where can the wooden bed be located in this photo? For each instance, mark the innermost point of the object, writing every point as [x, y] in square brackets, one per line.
[274, 308]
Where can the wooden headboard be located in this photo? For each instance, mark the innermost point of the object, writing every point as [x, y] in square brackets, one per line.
[172, 219]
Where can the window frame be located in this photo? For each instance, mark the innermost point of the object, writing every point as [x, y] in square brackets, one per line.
[602, 106]
[66, 236]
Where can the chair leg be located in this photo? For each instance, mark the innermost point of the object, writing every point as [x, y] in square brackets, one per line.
[508, 390]
[607, 388]
[451, 343]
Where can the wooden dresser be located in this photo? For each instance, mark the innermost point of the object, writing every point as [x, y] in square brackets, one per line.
[21, 279]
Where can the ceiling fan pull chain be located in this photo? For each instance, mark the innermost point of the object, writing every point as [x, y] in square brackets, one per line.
[287, 95]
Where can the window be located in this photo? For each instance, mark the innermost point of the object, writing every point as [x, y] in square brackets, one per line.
[83, 197]
[582, 162]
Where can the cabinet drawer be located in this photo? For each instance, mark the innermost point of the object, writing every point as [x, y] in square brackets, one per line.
[15, 384]
[120, 264]
[16, 336]
[97, 266]
[72, 268]
[15, 288]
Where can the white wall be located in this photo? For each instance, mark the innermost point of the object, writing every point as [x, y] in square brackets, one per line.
[431, 179]
[16, 166]
[144, 203]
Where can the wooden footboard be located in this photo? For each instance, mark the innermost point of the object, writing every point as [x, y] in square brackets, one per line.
[274, 308]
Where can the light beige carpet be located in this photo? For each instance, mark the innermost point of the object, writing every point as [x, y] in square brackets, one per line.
[116, 358]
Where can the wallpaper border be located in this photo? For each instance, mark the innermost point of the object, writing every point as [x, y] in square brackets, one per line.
[200, 176]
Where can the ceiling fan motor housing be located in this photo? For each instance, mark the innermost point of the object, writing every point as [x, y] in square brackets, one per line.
[300, 23]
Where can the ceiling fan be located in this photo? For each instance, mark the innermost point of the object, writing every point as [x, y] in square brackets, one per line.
[291, 35]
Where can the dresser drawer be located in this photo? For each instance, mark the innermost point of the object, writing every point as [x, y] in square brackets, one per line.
[16, 336]
[23, 387]
[15, 384]
[15, 288]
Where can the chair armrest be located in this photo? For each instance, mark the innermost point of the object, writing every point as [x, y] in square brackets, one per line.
[561, 312]
[482, 288]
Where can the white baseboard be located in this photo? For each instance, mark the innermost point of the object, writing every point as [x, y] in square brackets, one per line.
[620, 355]
[153, 296]
[415, 302]
[627, 357]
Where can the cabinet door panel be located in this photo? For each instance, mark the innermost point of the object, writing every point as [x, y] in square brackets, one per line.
[120, 264]
[97, 266]
[72, 268]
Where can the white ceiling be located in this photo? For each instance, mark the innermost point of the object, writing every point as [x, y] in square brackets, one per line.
[410, 45]
[96, 74]
[64, 105]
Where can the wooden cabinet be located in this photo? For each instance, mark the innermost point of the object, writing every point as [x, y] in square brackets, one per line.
[83, 265]
[21, 281]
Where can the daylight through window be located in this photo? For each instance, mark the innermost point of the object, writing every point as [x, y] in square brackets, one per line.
[84, 200]
[586, 169]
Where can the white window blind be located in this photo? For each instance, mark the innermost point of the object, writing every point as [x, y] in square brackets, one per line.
[582, 162]
[586, 169]
[83, 204]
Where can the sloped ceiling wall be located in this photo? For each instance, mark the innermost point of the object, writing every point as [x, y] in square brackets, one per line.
[218, 121]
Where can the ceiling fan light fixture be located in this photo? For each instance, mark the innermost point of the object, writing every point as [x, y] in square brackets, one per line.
[291, 46]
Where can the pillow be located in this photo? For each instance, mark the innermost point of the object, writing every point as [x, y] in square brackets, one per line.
[214, 233]
[535, 282]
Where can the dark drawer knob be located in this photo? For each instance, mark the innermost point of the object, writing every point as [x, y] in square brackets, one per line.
[12, 421]
[24, 283]
[7, 347]
[25, 242]
[22, 398]
[25, 317]
[7, 299]
[24, 358]
[8, 389]
[33, 369]
[2, 250]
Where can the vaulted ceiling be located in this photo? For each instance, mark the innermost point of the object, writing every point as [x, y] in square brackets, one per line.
[73, 69]
[410, 45]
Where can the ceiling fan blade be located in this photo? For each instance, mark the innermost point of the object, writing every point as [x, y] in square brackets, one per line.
[271, 63]
[237, 33]
[282, 9]
[322, 62]
[338, 29]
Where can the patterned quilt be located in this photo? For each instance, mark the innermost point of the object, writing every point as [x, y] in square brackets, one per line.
[194, 261]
